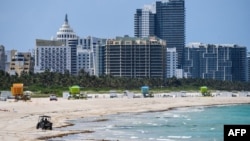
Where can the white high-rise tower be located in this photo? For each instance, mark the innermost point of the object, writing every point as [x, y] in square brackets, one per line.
[65, 32]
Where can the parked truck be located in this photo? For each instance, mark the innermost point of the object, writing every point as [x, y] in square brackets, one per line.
[17, 92]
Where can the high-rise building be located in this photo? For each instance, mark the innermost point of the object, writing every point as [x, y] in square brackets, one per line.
[2, 58]
[52, 55]
[248, 67]
[68, 52]
[239, 62]
[144, 21]
[220, 62]
[135, 57]
[67, 35]
[84, 58]
[21, 62]
[137, 23]
[169, 24]
[99, 58]
[8, 57]
[171, 63]
[89, 55]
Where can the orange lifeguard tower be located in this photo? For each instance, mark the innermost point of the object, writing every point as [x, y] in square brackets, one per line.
[17, 92]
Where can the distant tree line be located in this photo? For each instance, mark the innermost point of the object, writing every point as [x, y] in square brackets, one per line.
[53, 81]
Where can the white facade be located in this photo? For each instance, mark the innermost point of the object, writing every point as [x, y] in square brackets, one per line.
[85, 55]
[88, 55]
[85, 60]
[65, 32]
[147, 20]
[54, 57]
[144, 21]
[66, 52]
[171, 62]
[8, 60]
[179, 73]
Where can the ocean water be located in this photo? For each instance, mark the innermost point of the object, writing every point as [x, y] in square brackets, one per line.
[181, 124]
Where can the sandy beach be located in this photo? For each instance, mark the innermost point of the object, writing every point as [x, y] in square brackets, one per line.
[19, 119]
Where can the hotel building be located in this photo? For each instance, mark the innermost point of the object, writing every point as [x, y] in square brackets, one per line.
[220, 62]
[53, 56]
[67, 52]
[135, 57]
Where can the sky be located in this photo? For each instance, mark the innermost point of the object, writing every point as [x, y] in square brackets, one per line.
[207, 21]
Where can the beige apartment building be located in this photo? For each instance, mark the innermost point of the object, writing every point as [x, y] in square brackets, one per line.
[20, 62]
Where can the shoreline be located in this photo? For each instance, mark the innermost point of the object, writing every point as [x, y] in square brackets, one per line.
[19, 119]
[105, 119]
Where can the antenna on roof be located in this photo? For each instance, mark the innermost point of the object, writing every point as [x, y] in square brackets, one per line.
[66, 18]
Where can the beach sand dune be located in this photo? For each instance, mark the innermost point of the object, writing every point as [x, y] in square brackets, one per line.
[19, 119]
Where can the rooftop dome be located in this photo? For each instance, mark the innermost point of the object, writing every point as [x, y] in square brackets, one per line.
[65, 32]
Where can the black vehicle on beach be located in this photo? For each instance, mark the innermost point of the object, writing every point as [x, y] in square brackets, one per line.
[44, 122]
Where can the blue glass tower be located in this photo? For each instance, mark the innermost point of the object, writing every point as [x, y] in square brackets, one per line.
[170, 25]
[166, 20]
[220, 62]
